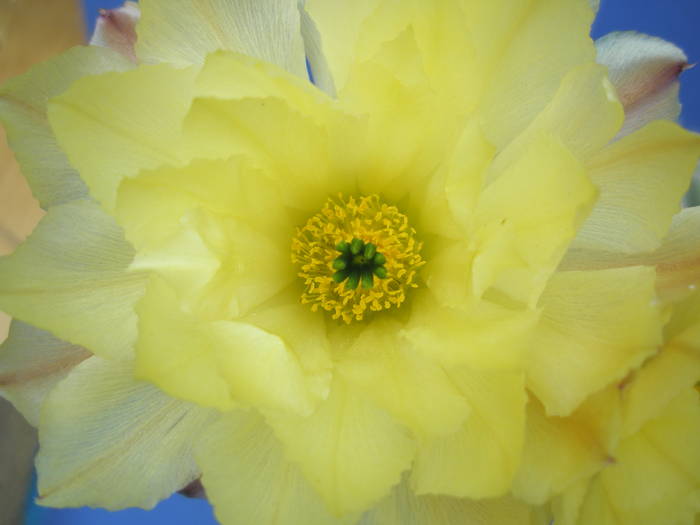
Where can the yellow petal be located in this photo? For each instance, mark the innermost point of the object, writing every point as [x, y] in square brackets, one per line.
[678, 258]
[481, 458]
[402, 381]
[654, 166]
[133, 118]
[128, 445]
[403, 507]
[560, 450]
[71, 278]
[351, 451]
[483, 335]
[183, 32]
[23, 107]
[655, 479]
[527, 217]
[32, 362]
[521, 80]
[596, 326]
[319, 72]
[218, 363]
[249, 480]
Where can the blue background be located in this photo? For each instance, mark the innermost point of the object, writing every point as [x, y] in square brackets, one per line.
[673, 20]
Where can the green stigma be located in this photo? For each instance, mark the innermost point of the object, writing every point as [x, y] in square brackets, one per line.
[359, 263]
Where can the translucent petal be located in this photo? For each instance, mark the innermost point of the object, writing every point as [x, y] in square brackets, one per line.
[133, 118]
[130, 445]
[402, 381]
[655, 479]
[560, 450]
[217, 363]
[32, 362]
[71, 278]
[654, 166]
[481, 458]
[526, 218]
[23, 107]
[319, 72]
[184, 31]
[596, 326]
[644, 71]
[403, 507]
[521, 80]
[249, 480]
[116, 29]
[326, 446]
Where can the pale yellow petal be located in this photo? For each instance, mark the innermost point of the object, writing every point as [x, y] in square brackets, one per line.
[644, 70]
[319, 71]
[480, 459]
[32, 362]
[249, 480]
[678, 258]
[23, 107]
[596, 326]
[132, 118]
[350, 450]
[560, 450]
[404, 507]
[183, 32]
[527, 69]
[527, 217]
[655, 479]
[642, 179]
[408, 385]
[71, 278]
[108, 440]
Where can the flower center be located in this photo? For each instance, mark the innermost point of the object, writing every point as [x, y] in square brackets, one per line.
[355, 255]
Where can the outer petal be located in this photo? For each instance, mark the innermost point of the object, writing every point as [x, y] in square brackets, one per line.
[560, 450]
[655, 479]
[403, 507]
[32, 362]
[327, 447]
[319, 72]
[71, 278]
[596, 326]
[655, 165]
[130, 445]
[480, 459]
[185, 31]
[249, 480]
[645, 71]
[132, 118]
[116, 29]
[23, 107]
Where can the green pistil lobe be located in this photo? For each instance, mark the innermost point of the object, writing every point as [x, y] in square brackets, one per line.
[359, 262]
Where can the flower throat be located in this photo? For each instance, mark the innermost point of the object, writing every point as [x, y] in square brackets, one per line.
[355, 256]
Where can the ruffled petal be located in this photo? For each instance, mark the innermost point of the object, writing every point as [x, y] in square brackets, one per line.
[116, 29]
[644, 71]
[404, 507]
[481, 458]
[249, 480]
[215, 363]
[71, 278]
[405, 383]
[351, 451]
[129, 446]
[642, 179]
[132, 118]
[23, 107]
[596, 326]
[32, 362]
[560, 450]
[655, 479]
[183, 32]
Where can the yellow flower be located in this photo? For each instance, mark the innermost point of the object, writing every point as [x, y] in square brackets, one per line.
[428, 287]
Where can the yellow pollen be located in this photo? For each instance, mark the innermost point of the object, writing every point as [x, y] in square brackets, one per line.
[314, 250]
